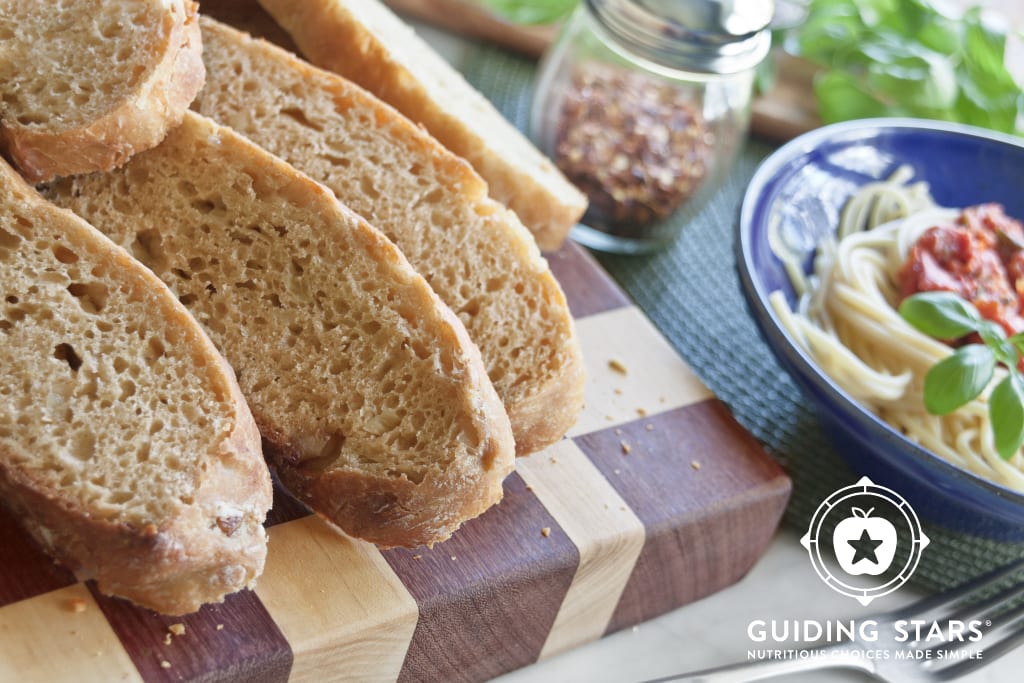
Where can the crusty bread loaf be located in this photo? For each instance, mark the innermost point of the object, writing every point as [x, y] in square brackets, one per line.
[126, 448]
[86, 84]
[373, 403]
[365, 42]
[474, 253]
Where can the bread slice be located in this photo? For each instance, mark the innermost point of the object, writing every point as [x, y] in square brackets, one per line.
[474, 253]
[365, 42]
[373, 403]
[86, 84]
[126, 448]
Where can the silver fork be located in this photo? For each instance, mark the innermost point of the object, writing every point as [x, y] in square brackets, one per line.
[984, 599]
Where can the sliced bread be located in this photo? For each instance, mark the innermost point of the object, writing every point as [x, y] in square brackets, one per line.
[474, 252]
[373, 403]
[126, 449]
[86, 84]
[365, 42]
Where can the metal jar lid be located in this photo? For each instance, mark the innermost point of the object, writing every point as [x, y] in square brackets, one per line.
[703, 36]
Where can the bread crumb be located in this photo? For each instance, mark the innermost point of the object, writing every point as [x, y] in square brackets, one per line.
[617, 365]
[417, 557]
[529, 487]
[695, 465]
[554, 460]
[618, 392]
[649, 427]
[77, 605]
[545, 532]
[626, 448]
[609, 418]
[618, 432]
[177, 629]
[220, 627]
[641, 412]
[454, 558]
[167, 639]
[164, 664]
[617, 471]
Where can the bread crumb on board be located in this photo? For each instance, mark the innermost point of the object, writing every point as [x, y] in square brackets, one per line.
[618, 366]
[695, 465]
[164, 664]
[177, 629]
[626, 448]
[545, 532]
[77, 605]
[220, 627]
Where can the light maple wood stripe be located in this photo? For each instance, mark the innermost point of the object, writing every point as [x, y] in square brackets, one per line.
[608, 535]
[338, 602]
[61, 636]
[631, 371]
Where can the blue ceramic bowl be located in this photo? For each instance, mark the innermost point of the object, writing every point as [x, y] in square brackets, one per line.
[805, 184]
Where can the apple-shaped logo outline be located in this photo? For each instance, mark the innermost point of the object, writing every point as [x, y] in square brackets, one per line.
[919, 541]
[864, 544]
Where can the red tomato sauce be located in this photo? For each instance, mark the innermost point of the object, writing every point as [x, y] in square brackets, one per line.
[980, 257]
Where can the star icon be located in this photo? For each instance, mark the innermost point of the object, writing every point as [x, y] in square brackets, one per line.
[865, 547]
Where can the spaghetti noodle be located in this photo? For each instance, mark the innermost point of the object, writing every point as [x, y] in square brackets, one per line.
[846, 320]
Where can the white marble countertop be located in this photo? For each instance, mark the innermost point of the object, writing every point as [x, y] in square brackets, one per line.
[713, 631]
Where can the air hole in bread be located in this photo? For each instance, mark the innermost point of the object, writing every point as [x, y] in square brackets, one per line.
[66, 353]
[342, 162]
[8, 240]
[64, 255]
[299, 116]
[203, 205]
[148, 248]
[155, 349]
[92, 296]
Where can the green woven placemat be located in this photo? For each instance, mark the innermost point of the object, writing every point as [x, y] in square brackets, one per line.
[692, 294]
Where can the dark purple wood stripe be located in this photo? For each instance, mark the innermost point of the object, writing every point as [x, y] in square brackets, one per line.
[247, 646]
[588, 289]
[26, 570]
[488, 596]
[737, 494]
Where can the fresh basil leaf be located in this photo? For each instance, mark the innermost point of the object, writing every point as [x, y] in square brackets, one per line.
[984, 43]
[1006, 410]
[942, 315]
[958, 378]
[923, 82]
[842, 96]
[532, 11]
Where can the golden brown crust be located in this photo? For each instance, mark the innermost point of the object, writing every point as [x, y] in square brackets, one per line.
[547, 415]
[160, 101]
[178, 563]
[331, 37]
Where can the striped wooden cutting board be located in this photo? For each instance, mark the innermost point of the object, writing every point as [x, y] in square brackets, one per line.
[657, 498]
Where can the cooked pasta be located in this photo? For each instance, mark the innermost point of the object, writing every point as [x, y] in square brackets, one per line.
[846, 320]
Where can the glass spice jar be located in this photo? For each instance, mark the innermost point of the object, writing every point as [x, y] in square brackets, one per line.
[643, 104]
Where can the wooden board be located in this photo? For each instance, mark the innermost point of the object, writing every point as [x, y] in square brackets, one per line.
[656, 498]
[782, 113]
[590, 539]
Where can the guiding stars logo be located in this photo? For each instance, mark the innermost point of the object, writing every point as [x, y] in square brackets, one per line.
[875, 545]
